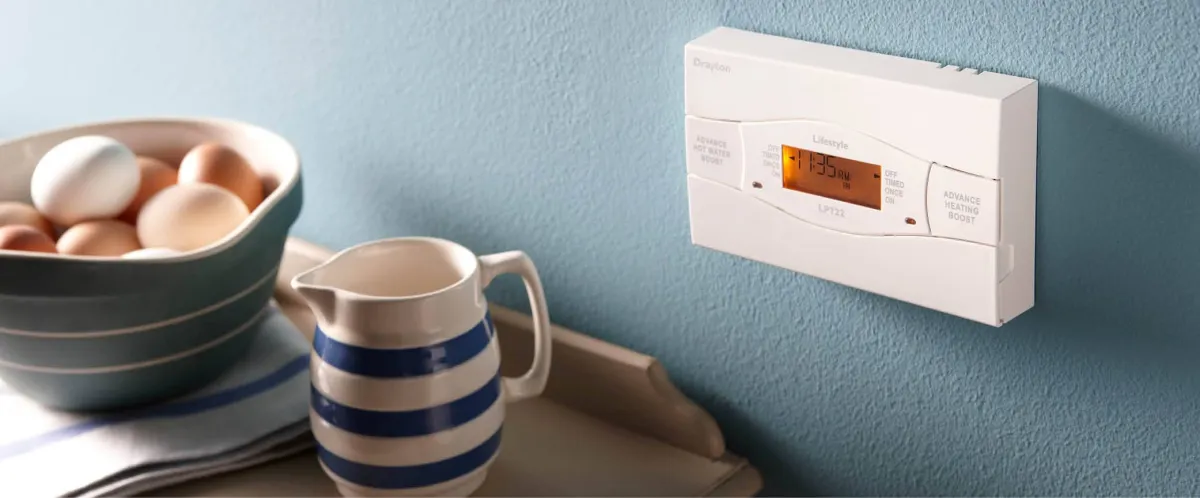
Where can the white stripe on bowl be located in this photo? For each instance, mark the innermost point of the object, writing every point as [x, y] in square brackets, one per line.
[404, 394]
[270, 277]
[143, 364]
[409, 450]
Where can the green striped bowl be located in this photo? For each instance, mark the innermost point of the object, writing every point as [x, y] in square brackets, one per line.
[89, 333]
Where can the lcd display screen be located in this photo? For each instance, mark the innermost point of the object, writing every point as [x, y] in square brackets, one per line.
[832, 177]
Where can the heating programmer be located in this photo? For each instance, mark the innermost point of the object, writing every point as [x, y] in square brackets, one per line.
[910, 179]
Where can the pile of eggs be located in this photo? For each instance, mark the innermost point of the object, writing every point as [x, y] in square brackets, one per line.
[92, 196]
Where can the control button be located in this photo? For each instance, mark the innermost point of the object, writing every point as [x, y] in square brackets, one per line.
[963, 206]
[714, 150]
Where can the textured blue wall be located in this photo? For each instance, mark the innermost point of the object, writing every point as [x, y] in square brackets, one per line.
[556, 127]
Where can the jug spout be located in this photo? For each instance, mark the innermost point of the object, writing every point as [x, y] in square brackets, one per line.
[321, 300]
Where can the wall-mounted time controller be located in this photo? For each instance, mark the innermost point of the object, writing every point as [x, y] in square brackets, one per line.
[906, 178]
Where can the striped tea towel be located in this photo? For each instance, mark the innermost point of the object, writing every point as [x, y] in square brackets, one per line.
[256, 412]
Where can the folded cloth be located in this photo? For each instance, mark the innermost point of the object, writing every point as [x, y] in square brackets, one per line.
[256, 412]
[289, 441]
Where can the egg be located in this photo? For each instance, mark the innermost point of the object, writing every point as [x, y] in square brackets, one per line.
[84, 178]
[99, 238]
[19, 213]
[222, 166]
[151, 253]
[25, 238]
[189, 216]
[155, 176]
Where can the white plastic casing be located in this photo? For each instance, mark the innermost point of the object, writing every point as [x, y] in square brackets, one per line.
[957, 149]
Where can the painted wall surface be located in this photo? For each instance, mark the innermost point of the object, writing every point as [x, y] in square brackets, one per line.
[557, 127]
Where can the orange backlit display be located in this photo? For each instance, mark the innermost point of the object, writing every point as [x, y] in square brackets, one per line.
[832, 177]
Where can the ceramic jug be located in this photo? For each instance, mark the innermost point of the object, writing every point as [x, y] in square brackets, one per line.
[407, 397]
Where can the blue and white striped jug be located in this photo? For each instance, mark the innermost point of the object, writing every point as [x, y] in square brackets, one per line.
[407, 397]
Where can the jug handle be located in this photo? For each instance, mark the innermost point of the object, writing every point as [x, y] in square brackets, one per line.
[533, 382]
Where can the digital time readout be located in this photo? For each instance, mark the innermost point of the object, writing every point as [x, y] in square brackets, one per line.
[832, 177]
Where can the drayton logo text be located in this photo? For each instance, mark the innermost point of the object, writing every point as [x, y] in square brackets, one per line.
[715, 67]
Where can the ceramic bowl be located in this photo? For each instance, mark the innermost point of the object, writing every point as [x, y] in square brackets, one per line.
[89, 333]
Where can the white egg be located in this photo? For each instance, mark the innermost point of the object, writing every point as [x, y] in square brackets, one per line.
[151, 253]
[85, 178]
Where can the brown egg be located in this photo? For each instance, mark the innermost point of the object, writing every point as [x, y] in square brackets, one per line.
[222, 166]
[99, 238]
[189, 216]
[156, 175]
[25, 238]
[19, 213]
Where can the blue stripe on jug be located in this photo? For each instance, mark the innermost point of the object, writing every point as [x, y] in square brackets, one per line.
[406, 362]
[407, 423]
[410, 476]
[425, 421]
